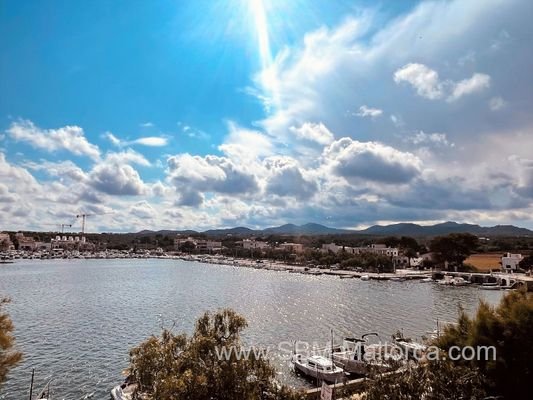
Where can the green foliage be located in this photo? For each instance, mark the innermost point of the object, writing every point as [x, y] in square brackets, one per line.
[189, 368]
[8, 357]
[454, 248]
[436, 380]
[509, 328]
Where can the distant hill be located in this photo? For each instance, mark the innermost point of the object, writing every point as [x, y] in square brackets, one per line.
[445, 228]
[401, 229]
[307, 229]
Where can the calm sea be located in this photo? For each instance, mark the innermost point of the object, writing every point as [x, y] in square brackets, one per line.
[76, 319]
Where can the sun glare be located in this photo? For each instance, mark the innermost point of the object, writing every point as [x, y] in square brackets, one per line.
[267, 75]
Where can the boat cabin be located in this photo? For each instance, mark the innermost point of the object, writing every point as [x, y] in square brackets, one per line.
[320, 363]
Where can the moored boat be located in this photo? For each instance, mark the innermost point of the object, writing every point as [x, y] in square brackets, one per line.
[318, 367]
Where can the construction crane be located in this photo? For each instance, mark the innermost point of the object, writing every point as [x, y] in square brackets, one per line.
[83, 217]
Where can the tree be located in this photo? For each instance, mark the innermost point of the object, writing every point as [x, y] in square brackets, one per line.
[509, 328]
[526, 263]
[454, 248]
[8, 357]
[436, 380]
[209, 365]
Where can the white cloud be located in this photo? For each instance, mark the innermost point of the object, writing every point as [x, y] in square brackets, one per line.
[150, 141]
[427, 83]
[365, 111]
[476, 83]
[70, 138]
[128, 156]
[143, 210]
[437, 139]
[371, 161]
[423, 79]
[313, 132]
[120, 180]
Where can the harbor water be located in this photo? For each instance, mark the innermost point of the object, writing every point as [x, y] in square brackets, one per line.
[76, 320]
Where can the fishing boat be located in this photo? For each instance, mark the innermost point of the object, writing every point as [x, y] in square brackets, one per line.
[410, 348]
[356, 356]
[318, 367]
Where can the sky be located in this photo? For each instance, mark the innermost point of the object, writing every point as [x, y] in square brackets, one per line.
[196, 114]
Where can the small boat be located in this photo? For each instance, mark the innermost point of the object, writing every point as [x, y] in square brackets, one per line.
[426, 280]
[124, 391]
[490, 286]
[357, 357]
[318, 367]
[451, 281]
[410, 348]
[397, 279]
[365, 277]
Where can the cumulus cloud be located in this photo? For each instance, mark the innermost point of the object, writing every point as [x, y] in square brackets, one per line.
[143, 210]
[475, 84]
[116, 179]
[313, 132]
[365, 111]
[423, 79]
[287, 179]
[209, 174]
[371, 161]
[69, 138]
[427, 83]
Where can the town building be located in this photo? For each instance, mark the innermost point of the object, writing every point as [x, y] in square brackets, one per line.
[5, 242]
[510, 262]
[71, 243]
[251, 244]
[379, 249]
[292, 247]
[199, 244]
[25, 243]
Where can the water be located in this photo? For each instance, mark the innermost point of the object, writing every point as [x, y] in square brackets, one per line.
[77, 319]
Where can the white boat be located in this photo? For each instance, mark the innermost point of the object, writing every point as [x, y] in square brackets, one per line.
[426, 280]
[451, 281]
[410, 348]
[356, 356]
[124, 391]
[318, 367]
[365, 277]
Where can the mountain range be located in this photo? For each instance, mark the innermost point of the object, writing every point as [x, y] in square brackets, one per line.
[401, 229]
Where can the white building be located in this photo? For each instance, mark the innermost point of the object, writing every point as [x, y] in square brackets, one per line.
[380, 249]
[199, 244]
[292, 247]
[253, 244]
[510, 261]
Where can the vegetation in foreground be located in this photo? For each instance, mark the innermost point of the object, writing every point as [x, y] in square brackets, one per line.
[180, 367]
[8, 356]
[508, 327]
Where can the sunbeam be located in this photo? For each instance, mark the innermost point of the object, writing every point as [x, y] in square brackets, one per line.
[267, 74]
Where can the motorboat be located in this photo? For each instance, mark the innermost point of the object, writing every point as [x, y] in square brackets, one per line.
[365, 277]
[410, 348]
[452, 281]
[318, 367]
[356, 356]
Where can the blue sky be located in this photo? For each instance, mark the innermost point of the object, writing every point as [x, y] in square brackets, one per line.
[193, 114]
